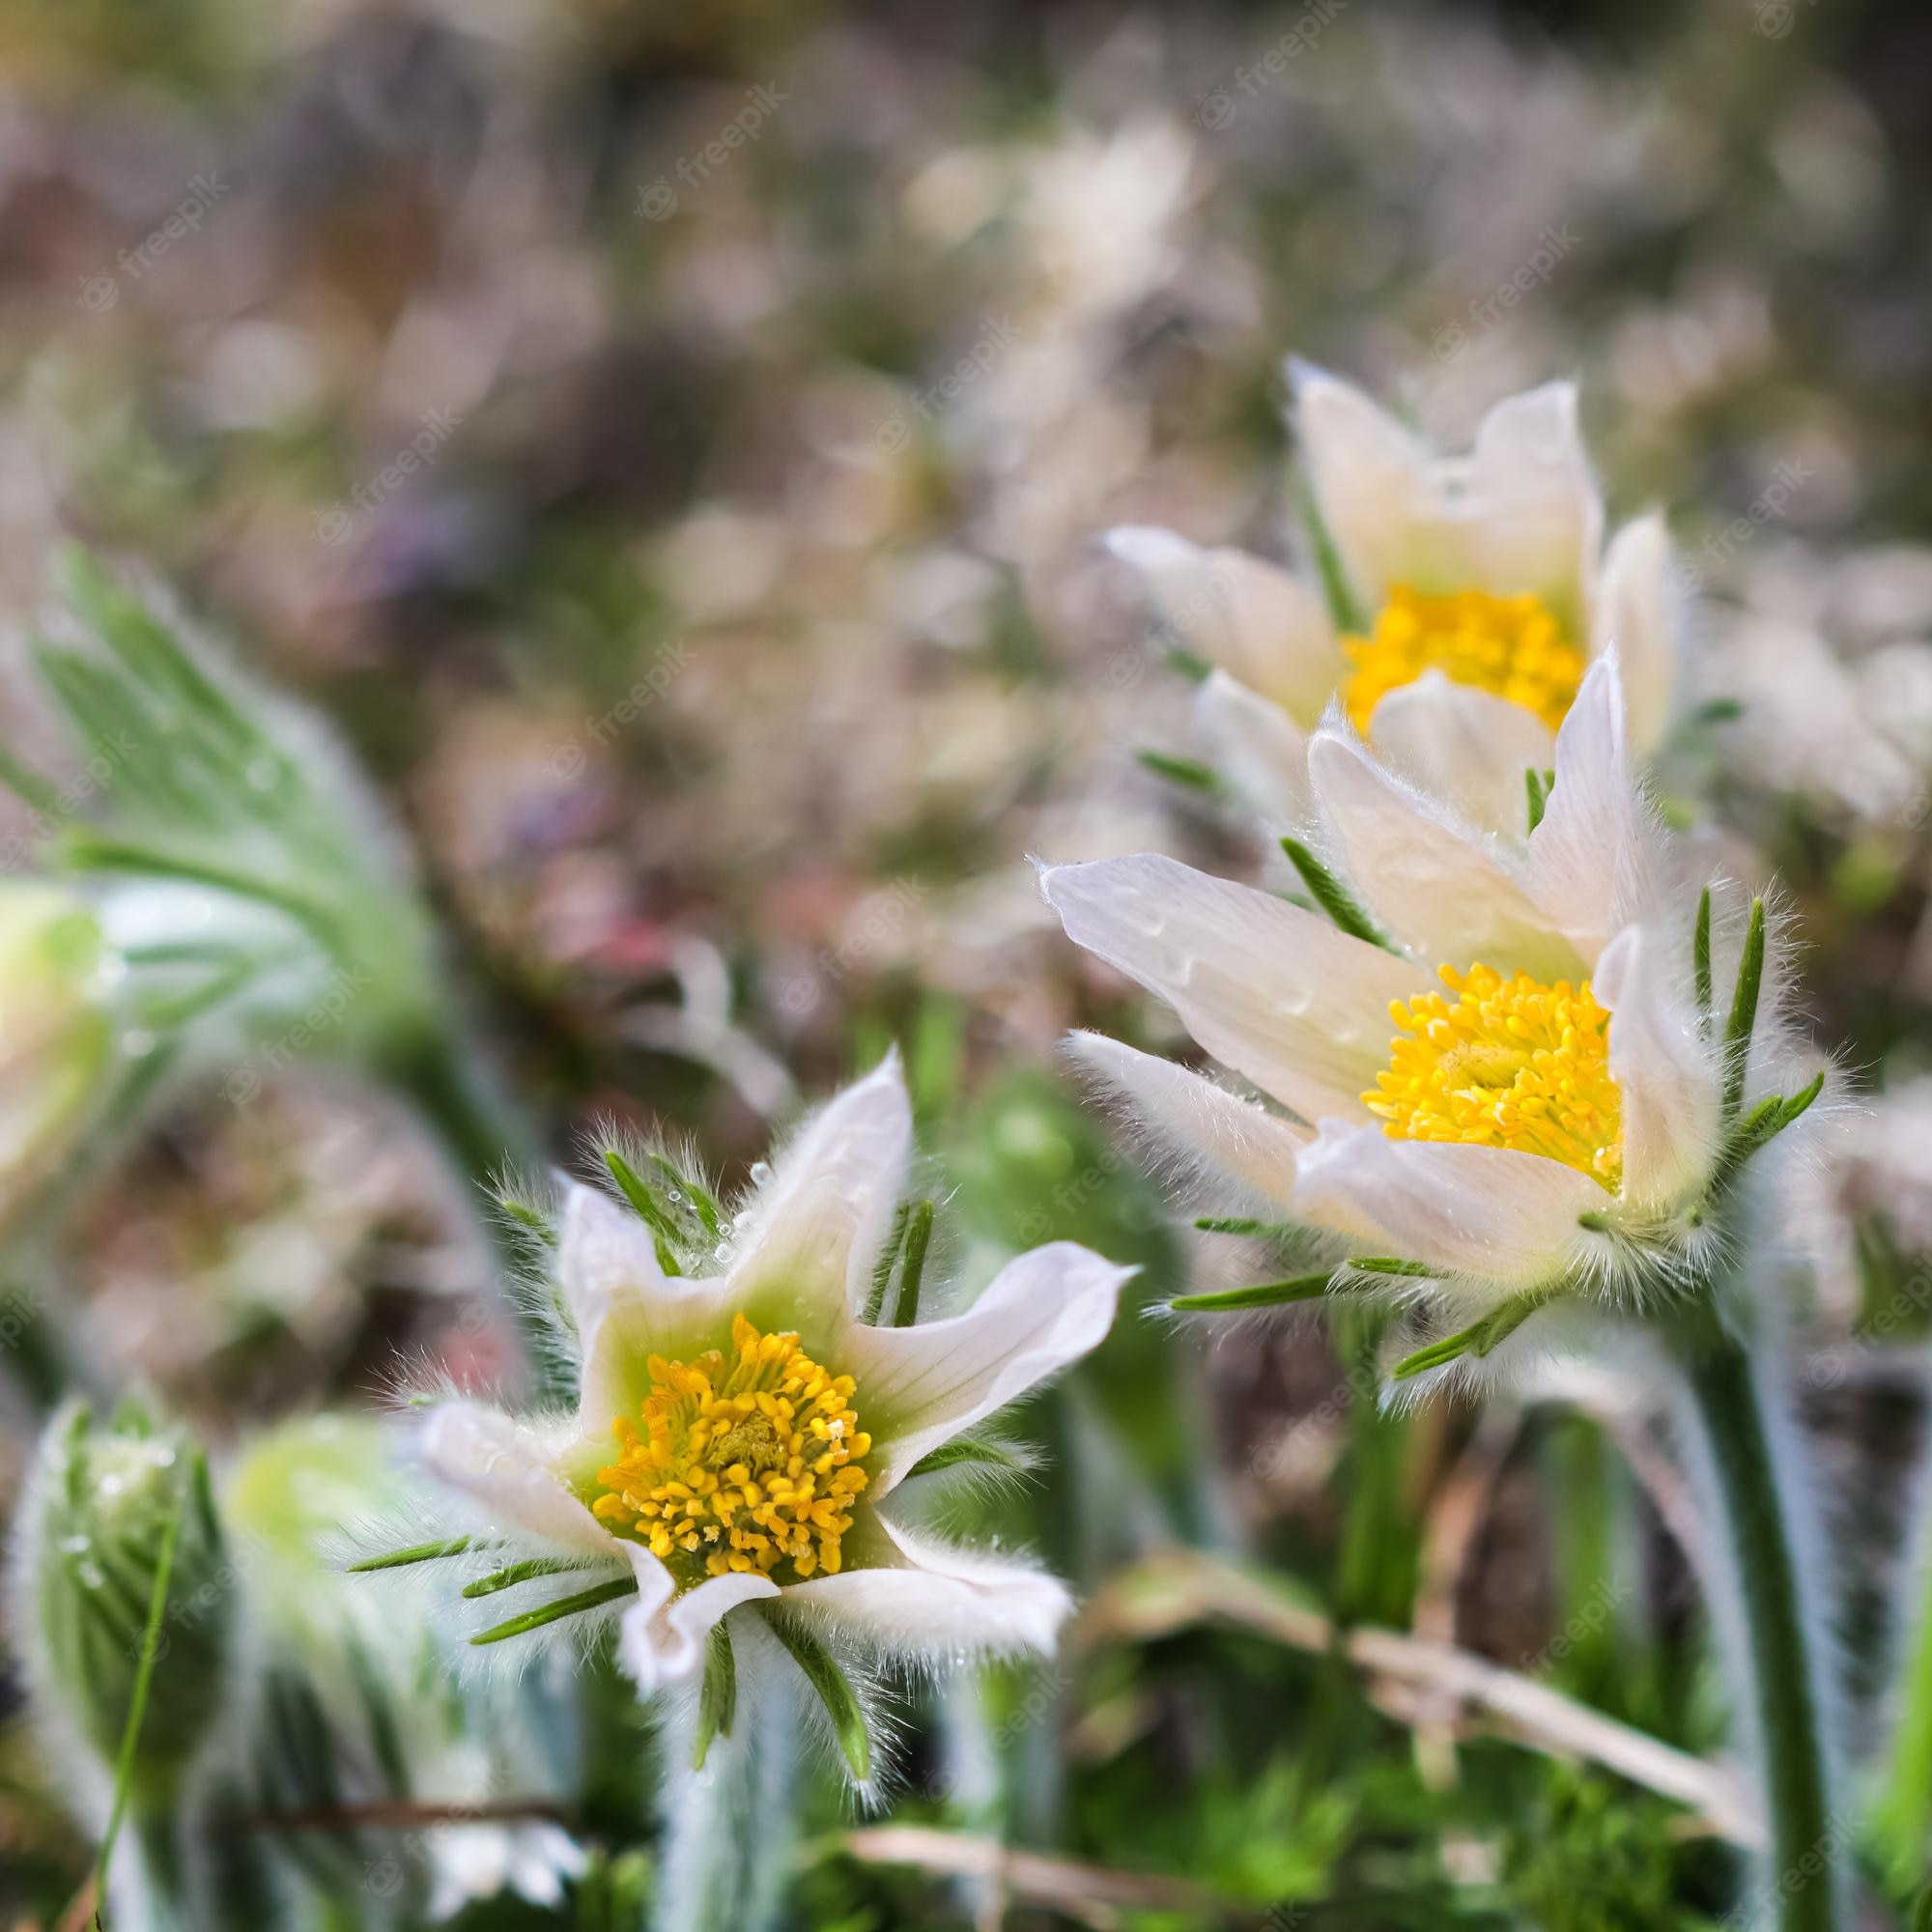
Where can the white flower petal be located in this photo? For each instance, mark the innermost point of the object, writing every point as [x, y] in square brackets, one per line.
[1448, 899]
[1274, 992]
[1536, 513]
[626, 1308]
[912, 1596]
[1670, 1080]
[1262, 750]
[806, 1262]
[510, 1472]
[1637, 615]
[921, 1387]
[1464, 745]
[1234, 1139]
[1588, 861]
[1519, 513]
[1371, 483]
[662, 1636]
[1249, 617]
[1489, 1213]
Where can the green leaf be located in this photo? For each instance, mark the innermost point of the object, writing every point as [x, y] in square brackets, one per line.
[918, 1239]
[1538, 797]
[1742, 1021]
[717, 1697]
[1801, 1102]
[1448, 1349]
[649, 1209]
[834, 1688]
[882, 1270]
[1242, 1224]
[1700, 950]
[509, 1576]
[1344, 612]
[1189, 772]
[418, 1553]
[962, 1452]
[702, 1204]
[1263, 1294]
[1190, 664]
[555, 1612]
[1332, 895]
[1388, 1265]
[137, 1702]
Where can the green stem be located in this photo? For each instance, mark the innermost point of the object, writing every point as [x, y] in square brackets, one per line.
[1786, 1676]
[727, 1829]
[1901, 1818]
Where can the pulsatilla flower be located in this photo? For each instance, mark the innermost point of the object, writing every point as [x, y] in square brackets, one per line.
[1463, 601]
[754, 1440]
[1505, 1083]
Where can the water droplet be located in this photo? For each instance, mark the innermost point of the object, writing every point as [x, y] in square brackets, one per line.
[721, 1252]
[761, 1171]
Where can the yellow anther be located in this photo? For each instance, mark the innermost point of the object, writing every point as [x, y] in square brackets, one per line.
[721, 1459]
[1514, 1064]
[1510, 645]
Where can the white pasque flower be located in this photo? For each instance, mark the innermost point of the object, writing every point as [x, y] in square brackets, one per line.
[740, 1438]
[1480, 600]
[1565, 1119]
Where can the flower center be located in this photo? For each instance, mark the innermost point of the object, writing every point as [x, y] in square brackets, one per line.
[742, 1463]
[1513, 1064]
[1510, 645]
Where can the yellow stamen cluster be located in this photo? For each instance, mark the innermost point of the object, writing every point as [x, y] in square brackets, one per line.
[1513, 1064]
[742, 1463]
[1509, 646]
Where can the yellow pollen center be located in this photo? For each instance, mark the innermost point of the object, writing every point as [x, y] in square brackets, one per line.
[1509, 646]
[1513, 1064]
[742, 1463]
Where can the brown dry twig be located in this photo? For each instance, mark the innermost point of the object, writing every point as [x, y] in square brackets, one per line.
[1170, 1592]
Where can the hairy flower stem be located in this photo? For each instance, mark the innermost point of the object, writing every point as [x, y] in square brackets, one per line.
[1901, 1818]
[1786, 1674]
[728, 1829]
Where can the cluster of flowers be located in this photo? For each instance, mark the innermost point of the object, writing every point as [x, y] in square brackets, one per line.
[1510, 1068]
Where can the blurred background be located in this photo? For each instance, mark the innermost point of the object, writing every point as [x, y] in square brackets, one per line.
[670, 444]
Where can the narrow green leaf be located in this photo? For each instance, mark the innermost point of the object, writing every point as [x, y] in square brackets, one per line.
[555, 1612]
[1436, 1353]
[1189, 772]
[513, 1574]
[87, 852]
[1700, 961]
[1332, 895]
[418, 1552]
[835, 1691]
[1801, 1102]
[649, 1207]
[1263, 1294]
[1499, 1326]
[918, 1239]
[1742, 1021]
[1190, 664]
[1538, 795]
[1387, 1264]
[1240, 1224]
[531, 1219]
[882, 1270]
[138, 1701]
[717, 1697]
[964, 1451]
[702, 1204]
[1598, 1223]
[1344, 612]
